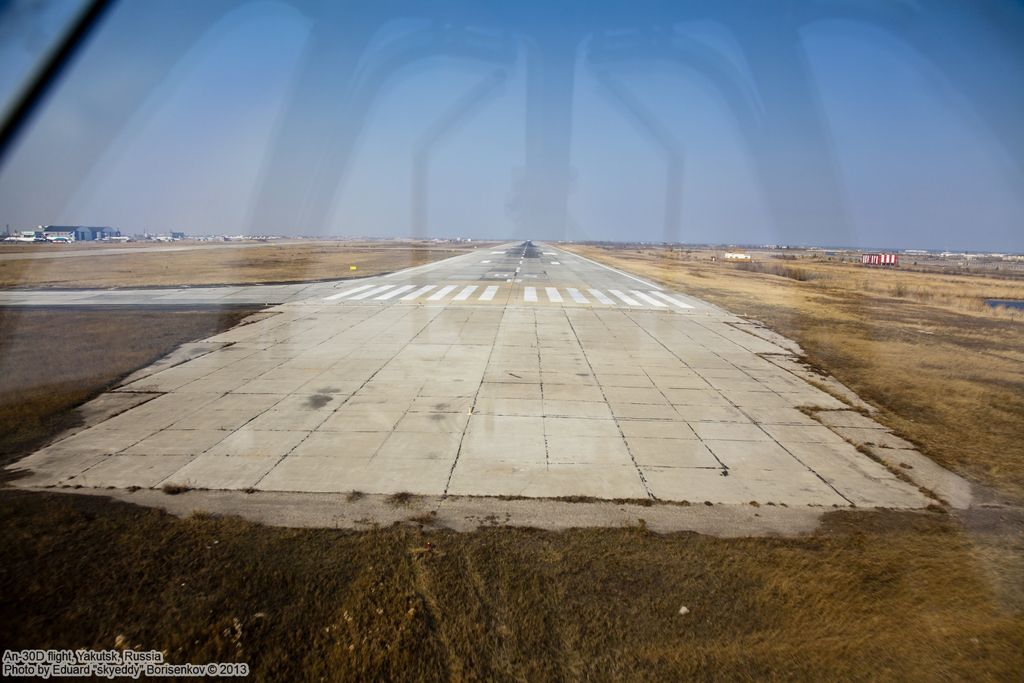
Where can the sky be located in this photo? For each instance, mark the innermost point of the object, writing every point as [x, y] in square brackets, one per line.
[890, 124]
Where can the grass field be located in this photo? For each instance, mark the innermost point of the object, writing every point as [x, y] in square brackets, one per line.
[871, 597]
[946, 371]
[246, 263]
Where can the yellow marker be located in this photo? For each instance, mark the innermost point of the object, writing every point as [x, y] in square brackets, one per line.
[351, 267]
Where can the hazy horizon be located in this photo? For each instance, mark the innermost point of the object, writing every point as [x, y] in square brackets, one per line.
[885, 125]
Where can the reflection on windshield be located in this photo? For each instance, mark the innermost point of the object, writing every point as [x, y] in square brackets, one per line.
[831, 124]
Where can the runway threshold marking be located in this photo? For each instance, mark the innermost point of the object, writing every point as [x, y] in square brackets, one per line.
[577, 296]
[677, 302]
[394, 292]
[371, 292]
[422, 290]
[649, 299]
[654, 299]
[441, 293]
[347, 292]
[628, 301]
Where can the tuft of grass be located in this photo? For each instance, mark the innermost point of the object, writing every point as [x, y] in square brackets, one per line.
[401, 499]
[781, 270]
[425, 519]
[175, 489]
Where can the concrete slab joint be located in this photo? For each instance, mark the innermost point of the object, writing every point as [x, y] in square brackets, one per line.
[438, 383]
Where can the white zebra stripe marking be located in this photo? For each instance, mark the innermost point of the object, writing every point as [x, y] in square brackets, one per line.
[649, 299]
[464, 294]
[599, 295]
[677, 302]
[440, 294]
[489, 293]
[342, 295]
[419, 292]
[394, 292]
[626, 299]
[577, 296]
[530, 294]
[553, 295]
[371, 292]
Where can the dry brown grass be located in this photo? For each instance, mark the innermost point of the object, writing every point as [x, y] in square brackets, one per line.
[220, 265]
[53, 359]
[874, 596]
[946, 371]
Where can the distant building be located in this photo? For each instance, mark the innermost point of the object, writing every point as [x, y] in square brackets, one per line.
[78, 233]
[736, 256]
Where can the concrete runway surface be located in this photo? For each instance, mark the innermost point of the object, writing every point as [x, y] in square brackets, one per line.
[516, 371]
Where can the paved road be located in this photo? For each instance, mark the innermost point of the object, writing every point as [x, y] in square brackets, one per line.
[519, 371]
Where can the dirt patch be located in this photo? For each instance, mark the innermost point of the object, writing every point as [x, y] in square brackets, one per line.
[52, 360]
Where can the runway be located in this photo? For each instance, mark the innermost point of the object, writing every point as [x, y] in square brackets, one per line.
[521, 371]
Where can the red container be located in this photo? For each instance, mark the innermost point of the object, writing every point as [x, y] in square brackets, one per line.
[891, 260]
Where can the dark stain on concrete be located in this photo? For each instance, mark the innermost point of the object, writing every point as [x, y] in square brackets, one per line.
[319, 400]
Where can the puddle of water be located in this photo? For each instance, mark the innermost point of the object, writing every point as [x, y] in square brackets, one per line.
[1008, 303]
